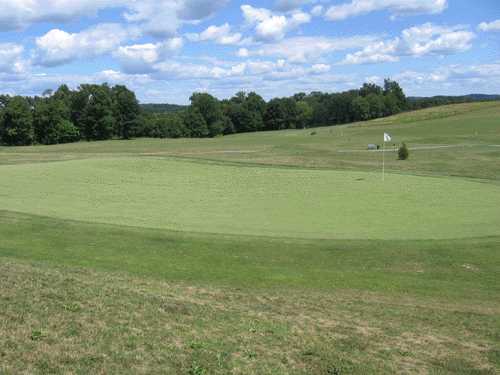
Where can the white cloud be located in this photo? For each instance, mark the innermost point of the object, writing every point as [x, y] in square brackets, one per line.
[145, 59]
[157, 17]
[306, 49]
[162, 18]
[426, 39]
[396, 7]
[243, 52]
[287, 5]
[317, 10]
[454, 79]
[220, 34]
[59, 47]
[189, 71]
[320, 68]
[438, 40]
[254, 15]
[16, 14]
[489, 26]
[140, 58]
[270, 26]
[375, 53]
[12, 63]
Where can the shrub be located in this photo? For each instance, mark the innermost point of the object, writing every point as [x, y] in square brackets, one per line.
[403, 152]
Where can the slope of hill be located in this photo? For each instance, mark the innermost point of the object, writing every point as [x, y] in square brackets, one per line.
[263, 253]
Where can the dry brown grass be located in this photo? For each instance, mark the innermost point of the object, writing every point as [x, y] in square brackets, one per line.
[61, 320]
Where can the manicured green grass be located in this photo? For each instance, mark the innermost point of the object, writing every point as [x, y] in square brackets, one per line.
[266, 253]
[282, 202]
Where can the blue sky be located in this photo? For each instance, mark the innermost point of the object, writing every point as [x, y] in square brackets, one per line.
[166, 49]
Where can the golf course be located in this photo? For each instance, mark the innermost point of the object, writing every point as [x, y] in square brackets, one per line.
[273, 252]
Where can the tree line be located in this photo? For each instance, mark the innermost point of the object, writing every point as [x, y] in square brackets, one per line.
[92, 112]
[99, 112]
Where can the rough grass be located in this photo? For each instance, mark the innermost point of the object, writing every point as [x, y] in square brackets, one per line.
[71, 320]
[282, 202]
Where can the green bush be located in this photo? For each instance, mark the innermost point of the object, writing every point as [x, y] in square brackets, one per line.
[403, 152]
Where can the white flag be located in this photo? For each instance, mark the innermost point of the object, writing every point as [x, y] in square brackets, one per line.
[387, 137]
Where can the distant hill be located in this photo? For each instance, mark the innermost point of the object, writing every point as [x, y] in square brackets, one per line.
[484, 97]
[162, 108]
[418, 102]
[470, 97]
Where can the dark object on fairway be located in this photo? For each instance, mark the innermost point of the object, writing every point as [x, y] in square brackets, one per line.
[403, 152]
[313, 133]
[372, 146]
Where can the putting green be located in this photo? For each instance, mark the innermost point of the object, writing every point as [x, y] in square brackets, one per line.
[203, 197]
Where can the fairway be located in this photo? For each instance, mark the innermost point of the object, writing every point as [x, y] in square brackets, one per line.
[280, 202]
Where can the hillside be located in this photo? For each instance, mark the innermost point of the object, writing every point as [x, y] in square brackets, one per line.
[278, 252]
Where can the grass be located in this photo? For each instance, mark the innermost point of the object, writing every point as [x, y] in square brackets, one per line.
[472, 130]
[462, 270]
[58, 320]
[270, 253]
[278, 202]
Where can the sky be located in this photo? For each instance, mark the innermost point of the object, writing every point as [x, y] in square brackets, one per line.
[165, 50]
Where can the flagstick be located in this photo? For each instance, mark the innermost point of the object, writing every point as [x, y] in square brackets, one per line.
[383, 162]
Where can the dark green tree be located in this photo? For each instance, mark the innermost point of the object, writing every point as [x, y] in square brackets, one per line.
[370, 88]
[304, 114]
[96, 118]
[391, 104]
[361, 109]
[281, 113]
[126, 111]
[195, 123]
[51, 122]
[16, 128]
[392, 87]
[377, 105]
[403, 152]
[245, 111]
[211, 110]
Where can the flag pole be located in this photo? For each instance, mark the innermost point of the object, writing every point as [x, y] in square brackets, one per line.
[383, 161]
